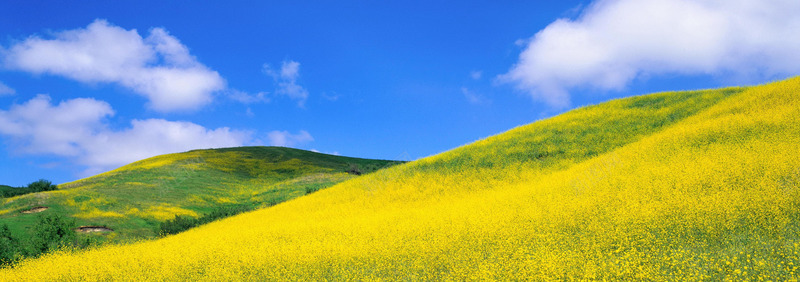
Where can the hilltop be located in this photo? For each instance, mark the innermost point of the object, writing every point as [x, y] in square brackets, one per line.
[691, 185]
[134, 199]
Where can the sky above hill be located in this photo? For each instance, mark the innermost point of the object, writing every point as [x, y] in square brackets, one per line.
[88, 86]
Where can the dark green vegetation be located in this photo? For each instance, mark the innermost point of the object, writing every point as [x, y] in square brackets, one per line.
[38, 186]
[183, 223]
[50, 233]
[168, 193]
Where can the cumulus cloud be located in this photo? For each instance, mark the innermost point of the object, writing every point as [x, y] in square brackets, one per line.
[286, 79]
[286, 139]
[39, 127]
[158, 67]
[78, 129]
[5, 90]
[614, 42]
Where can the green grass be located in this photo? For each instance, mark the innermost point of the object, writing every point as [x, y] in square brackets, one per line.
[135, 199]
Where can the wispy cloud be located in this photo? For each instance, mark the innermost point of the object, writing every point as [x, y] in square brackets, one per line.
[614, 42]
[335, 153]
[78, 129]
[6, 90]
[476, 75]
[247, 98]
[472, 97]
[158, 67]
[287, 139]
[286, 80]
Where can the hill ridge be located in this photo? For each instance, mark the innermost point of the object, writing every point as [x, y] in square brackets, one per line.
[689, 185]
[135, 199]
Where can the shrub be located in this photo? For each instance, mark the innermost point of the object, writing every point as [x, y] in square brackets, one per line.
[312, 188]
[354, 169]
[183, 223]
[177, 225]
[38, 186]
[42, 185]
[50, 233]
[9, 246]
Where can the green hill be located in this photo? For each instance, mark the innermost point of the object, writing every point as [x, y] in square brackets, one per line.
[693, 185]
[134, 199]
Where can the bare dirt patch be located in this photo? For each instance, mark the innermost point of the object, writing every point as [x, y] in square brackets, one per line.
[89, 229]
[35, 209]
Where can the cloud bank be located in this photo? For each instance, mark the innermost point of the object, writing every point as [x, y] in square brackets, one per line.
[77, 129]
[158, 67]
[614, 42]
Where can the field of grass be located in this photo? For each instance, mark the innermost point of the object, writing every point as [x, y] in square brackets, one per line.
[133, 200]
[697, 185]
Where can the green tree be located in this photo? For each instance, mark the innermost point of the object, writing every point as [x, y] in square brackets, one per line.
[50, 233]
[42, 185]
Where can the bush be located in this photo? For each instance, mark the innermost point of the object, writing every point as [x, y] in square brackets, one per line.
[8, 191]
[42, 185]
[354, 169]
[39, 186]
[183, 223]
[9, 246]
[314, 187]
[52, 232]
[177, 225]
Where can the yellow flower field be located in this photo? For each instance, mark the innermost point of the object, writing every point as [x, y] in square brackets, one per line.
[701, 185]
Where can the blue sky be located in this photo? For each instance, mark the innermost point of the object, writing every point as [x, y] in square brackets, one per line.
[88, 86]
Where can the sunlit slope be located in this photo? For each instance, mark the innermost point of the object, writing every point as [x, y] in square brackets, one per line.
[671, 186]
[135, 198]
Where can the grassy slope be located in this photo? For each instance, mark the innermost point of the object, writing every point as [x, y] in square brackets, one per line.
[135, 198]
[687, 185]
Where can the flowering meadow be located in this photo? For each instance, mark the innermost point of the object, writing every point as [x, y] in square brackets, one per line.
[695, 185]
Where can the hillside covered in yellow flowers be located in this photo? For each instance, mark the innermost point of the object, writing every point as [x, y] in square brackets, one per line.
[690, 185]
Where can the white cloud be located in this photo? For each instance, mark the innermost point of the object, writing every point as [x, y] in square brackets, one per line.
[151, 137]
[286, 78]
[158, 67]
[476, 75]
[616, 41]
[286, 139]
[335, 153]
[39, 127]
[77, 129]
[5, 90]
[472, 97]
[247, 98]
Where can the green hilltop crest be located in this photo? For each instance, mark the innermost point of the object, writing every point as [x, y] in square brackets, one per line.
[134, 199]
